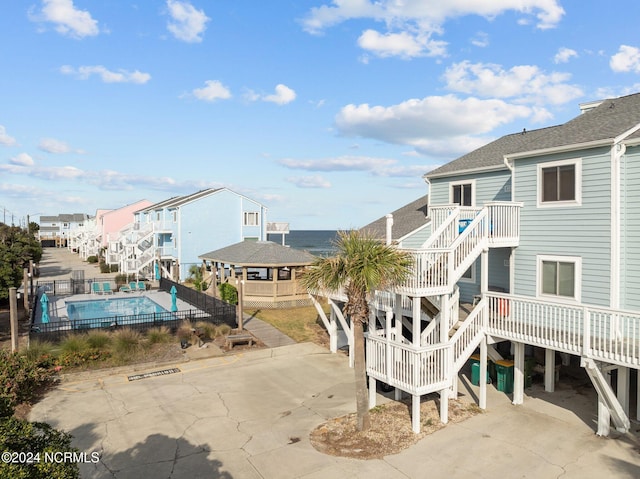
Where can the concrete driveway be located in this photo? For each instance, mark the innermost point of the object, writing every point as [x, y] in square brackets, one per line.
[249, 416]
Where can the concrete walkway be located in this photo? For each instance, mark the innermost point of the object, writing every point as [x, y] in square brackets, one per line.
[250, 415]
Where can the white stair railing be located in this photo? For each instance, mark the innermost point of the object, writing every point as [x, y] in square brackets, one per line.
[606, 394]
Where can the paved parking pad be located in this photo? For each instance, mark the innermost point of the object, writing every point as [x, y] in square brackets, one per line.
[249, 416]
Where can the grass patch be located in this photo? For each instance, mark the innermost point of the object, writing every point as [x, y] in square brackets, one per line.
[300, 324]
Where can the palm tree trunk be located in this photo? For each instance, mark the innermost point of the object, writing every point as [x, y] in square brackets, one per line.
[360, 369]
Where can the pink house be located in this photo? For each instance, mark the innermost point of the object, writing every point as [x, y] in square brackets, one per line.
[110, 222]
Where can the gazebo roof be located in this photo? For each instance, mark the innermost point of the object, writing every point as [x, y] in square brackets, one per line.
[259, 254]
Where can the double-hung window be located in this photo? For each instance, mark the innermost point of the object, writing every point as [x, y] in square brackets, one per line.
[559, 183]
[462, 193]
[251, 218]
[559, 276]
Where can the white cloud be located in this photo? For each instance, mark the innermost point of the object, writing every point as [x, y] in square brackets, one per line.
[403, 44]
[342, 163]
[22, 159]
[411, 23]
[374, 166]
[309, 181]
[480, 40]
[525, 83]
[68, 20]
[107, 76]
[187, 23]
[626, 60]
[564, 55]
[5, 139]
[437, 125]
[51, 145]
[282, 95]
[214, 90]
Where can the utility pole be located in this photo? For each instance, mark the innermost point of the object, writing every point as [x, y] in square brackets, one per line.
[13, 318]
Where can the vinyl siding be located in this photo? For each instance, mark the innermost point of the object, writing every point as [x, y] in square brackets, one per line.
[492, 186]
[582, 231]
[417, 238]
[630, 230]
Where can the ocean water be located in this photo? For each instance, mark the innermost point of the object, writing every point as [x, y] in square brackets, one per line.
[317, 242]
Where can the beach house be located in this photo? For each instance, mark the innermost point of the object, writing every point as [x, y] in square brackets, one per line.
[166, 238]
[537, 236]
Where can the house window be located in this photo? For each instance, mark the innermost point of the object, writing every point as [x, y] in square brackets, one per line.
[559, 183]
[559, 276]
[251, 218]
[157, 216]
[175, 216]
[469, 276]
[462, 193]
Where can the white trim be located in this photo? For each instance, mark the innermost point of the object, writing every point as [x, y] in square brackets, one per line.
[577, 162]
[577, 286]
[471, 181]
[484, 169]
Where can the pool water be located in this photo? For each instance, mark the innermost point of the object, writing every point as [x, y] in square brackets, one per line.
[110, 308]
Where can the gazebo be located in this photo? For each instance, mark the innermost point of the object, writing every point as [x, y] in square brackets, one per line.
[269, 272]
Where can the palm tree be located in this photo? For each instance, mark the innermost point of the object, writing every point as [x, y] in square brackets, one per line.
[361, 265]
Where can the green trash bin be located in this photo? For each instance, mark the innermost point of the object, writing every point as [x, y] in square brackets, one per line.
[504, 370]
[475, 370]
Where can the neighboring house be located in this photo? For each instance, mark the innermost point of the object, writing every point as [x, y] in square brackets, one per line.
[56, 230]
[167, 237]
[539, 232]
[105, 226]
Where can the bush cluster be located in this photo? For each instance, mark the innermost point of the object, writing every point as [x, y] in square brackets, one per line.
[228, 293]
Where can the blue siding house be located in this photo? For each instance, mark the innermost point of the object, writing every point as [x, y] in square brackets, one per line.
[167, 237]
[534, 244]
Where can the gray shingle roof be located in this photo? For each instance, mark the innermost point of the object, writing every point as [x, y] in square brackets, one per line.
[259, 253]
[405, 220]
[608, 120]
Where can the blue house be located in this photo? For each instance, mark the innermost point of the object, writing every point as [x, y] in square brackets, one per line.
[533, 245]
[167, 237]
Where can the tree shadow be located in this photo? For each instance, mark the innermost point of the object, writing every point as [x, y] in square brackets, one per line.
[158, 456]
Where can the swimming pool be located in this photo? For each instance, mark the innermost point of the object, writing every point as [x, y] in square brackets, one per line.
[112, 307]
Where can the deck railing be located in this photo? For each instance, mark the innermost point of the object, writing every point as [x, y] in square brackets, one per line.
[504, 223]
[415, 370]
[599, 333]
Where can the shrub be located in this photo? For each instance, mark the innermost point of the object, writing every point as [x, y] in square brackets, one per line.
[41, 352]
[159, 335]
[92, 259]
[121, 279]
[126, 341]
[74, 344]
[113, 268]
[98, 339]
[228, 293]
[74, 359]
[207, 330]
[222, 330]
[185, 331]
[20, 379]
[104, 267]
[18, 435]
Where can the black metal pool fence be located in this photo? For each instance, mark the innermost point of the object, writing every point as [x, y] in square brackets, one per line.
[210, 310]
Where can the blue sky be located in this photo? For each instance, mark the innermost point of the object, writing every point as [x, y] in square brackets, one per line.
[328, 112]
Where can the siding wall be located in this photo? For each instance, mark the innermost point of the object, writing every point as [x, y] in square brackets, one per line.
[567, 231]
[492, 186]
[417, 238]
[630, 230]
[498, 274]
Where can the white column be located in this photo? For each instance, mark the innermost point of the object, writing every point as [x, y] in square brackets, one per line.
[518, 373]
[484, 273]
[549, 370]
[372, 392]
[333, 331]
[445, 309]
[415, 413]
[482, 400]
[444, 405]
[622, 392]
